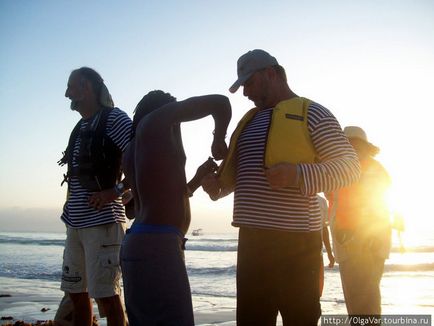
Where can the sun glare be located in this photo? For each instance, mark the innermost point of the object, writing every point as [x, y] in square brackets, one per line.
[408, 215]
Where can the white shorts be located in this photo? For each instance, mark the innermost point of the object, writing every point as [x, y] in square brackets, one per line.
[91, 260]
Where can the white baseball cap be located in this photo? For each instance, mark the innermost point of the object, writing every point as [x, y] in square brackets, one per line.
[249, 63]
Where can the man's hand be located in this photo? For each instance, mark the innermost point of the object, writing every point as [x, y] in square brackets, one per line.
[211, 186]
[219, 149]
[99, 199]
[208, 167]
[282, 175]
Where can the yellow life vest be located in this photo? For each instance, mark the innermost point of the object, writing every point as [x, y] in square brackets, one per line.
[288, 139]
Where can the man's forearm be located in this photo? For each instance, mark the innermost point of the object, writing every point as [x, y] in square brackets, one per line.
[222, 117]
[192, 185]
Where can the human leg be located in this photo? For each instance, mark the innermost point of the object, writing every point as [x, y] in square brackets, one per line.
[298, 277]
[114, 310]
[65, 312]
[278, 271]
[256, 304]
[74, 279]
[361, 275]
[102, 246]
[156, 287]
[82, 309]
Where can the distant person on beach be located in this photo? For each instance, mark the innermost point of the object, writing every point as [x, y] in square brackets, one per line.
[325, 240]
[93, 212]
[325, 230]
[157, 290]
[283, 152]
[361, 229]
[65, 314]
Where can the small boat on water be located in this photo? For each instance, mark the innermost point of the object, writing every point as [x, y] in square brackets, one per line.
[197, 232]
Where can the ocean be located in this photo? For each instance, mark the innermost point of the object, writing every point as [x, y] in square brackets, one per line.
[30, 264]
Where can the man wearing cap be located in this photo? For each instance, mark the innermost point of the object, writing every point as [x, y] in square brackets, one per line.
[282, 153]
[361, 229]
[93, 212]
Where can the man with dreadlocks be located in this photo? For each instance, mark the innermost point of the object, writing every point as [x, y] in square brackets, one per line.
[93, 213]
[157, 291]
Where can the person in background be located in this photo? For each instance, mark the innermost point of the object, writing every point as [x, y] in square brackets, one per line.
[157, 290]
[326, 241]
[65, 312]
[283, 152]
[325, 230]
[361, 229]
[93, 212]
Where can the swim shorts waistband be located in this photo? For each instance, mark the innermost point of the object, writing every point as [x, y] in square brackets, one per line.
[153, 228]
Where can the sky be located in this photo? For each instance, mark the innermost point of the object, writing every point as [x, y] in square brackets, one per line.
[370, 62]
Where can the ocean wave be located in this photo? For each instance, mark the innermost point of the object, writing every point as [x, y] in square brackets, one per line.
[210, 293]
[420, 249]
[423, 267]
[211, 247]
[203, 243]
[33, 242]
[212, 271]
[55, 276]
[211, 239]
[198, 273]
[212, 244]
[428, 267]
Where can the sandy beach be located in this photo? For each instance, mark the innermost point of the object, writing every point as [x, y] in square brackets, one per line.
[34, 307]
[21, 300]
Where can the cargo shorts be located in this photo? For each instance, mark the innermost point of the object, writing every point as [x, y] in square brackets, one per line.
[91, 260]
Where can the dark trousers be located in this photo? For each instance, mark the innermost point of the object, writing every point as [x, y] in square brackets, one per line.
[278, 271]
[157, 291]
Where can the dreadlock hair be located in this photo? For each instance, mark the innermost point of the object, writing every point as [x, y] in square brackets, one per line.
[150, 102]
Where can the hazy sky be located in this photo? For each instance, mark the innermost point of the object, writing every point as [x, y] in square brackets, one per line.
[370, 62]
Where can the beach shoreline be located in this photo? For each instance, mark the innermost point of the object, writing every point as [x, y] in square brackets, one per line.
[42, 308]
[37, 300]
[34, 301]
[30, 273]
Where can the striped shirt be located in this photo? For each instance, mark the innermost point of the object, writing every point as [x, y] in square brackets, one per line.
[76, 212]
[291, 209]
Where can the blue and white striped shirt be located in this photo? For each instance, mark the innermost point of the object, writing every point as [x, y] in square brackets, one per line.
[291, 209]
[76, 212]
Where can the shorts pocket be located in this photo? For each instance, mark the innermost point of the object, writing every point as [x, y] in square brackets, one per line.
[109, 263]
[109, 259]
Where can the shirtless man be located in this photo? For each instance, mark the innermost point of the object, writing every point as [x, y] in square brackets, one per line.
[157, 291]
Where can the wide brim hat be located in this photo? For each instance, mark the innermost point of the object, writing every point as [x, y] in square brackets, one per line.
[354, 132]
